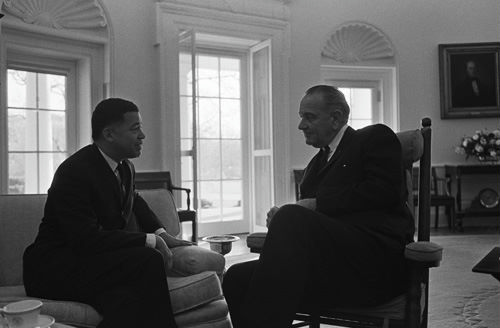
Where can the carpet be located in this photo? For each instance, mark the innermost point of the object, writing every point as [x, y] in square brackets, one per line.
[458, 297]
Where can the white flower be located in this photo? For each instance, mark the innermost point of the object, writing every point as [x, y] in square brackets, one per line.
[493, 153]
[497, 142]
[483, 141]
[479, 148]
[496, 133]
[465, 143]
[475, 137]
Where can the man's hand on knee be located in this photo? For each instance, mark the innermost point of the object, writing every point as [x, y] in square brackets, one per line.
[168, 257]
[309, 203]
[174, 242]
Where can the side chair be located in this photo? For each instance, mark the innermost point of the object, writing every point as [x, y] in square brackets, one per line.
[410, 309]
[156, 180]
[440, 196]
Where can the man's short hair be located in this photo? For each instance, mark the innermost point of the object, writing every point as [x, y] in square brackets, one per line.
[110, 111]
[333, 98]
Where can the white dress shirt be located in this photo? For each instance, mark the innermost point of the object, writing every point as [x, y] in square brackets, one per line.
[336, 141]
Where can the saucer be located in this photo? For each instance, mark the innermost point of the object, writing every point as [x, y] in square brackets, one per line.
[44, 321]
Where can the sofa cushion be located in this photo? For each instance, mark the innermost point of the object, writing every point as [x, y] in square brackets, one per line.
[20, 216]
[212, 315]
[186, 293]
[193, 291]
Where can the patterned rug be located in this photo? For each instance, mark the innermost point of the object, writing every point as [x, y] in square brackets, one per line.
[460, 298]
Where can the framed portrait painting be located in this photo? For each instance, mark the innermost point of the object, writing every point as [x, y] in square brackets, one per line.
[469, 77]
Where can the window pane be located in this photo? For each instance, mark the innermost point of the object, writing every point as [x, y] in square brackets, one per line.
[22, 130]
[358, 124]
[23, 173]
[361, 103]
[232, 200]
[230, 78]
[209, 202]
[48, 165]
[208, 76]
[52, 91]
[263, 189]
[209, 118]
[185, 74]
[52, 129]
[186, 112]
[230, 118]
[186, 144]
[231, 159]
[21, 87]
[186, 168]
[209, 159]
[261, 101]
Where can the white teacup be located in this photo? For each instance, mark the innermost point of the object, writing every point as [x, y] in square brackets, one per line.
[22, 314]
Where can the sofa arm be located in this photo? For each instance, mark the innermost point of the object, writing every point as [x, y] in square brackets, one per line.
[424, 254]
[255, 241]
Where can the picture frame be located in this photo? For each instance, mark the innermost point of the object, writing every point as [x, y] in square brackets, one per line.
[469, 77]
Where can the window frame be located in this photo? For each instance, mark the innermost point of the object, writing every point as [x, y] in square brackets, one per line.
[383, 76]
[40, 64]
[242, 55]
[19, 46]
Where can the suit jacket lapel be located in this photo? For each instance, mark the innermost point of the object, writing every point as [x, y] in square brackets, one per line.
[310, 172]
[106, 176]
[344, 142]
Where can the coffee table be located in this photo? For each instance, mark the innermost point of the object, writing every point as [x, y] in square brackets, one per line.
[490, 264]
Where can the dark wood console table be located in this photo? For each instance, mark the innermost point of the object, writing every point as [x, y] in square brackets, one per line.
[455, 173]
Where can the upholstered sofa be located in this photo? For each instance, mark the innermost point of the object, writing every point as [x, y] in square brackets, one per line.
[197, 299]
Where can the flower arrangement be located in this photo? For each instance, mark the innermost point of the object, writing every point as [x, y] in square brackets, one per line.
[483, 145]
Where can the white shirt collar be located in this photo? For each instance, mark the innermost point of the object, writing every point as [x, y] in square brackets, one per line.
[111, 162]
[336, 141]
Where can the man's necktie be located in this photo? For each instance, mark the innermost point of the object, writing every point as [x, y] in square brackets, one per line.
[323, 157]
[122, 176]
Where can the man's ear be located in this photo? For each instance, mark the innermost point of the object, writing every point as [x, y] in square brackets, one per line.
[107, 134]
[337, 119]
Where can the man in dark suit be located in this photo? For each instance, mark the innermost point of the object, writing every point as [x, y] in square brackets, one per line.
[99, 242]
[471, 91]
[342, 243]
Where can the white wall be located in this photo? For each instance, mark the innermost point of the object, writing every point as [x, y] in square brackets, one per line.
[135, 68]
[415, 27]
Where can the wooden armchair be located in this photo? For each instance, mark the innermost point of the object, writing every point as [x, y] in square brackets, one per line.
[408, 310]
[154, 180]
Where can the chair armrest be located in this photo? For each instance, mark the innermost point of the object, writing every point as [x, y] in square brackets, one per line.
[255, 241]
[187, 215]
[188, 191]
[424, 254]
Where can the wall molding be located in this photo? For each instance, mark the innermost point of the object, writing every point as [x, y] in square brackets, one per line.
[58, 14]
[355, 42]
